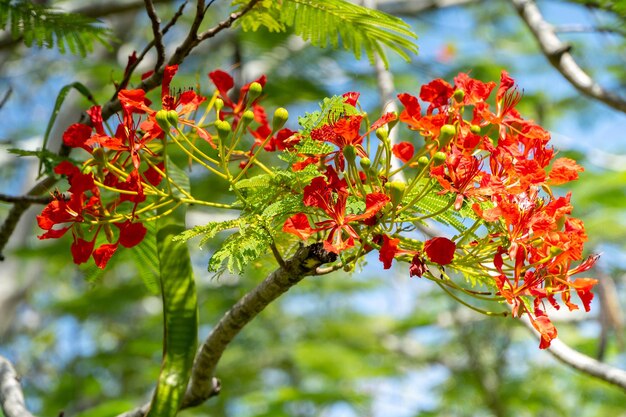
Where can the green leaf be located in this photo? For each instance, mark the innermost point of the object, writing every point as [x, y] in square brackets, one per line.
[180, 308]
[239, 249]
[208, 230]
[146, 258]
[334, 22]
[55, 112]
[45, 27]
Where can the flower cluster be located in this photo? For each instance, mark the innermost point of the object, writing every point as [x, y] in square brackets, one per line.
[122, 168]
[468, 163]
[484, 163]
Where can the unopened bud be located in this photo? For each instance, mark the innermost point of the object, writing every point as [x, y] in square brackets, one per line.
[247, 117]
[254, 91]
[475, 129]
[99, 155]
[439, 158]
[366, 163]
[459, 95]
[161, 118]
[223, 129]
[219, 104]
[172, 117]
[349, 152]
[396, 191]
[446, 134]
[423, 161]
[382, 133]
[280, 118]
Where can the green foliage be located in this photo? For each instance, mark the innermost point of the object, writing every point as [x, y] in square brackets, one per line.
[45, 27]
[48, 160]
[331, 109]
[180, 308]
[325, 22]
[146, 259]
[208, 231]
[83, 90]
[242, 247]
[615, 6]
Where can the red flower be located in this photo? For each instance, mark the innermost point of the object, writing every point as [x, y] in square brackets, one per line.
[440, 250]
[388, 250]
[404, 151]
[564, 170]
[437, 93]
[299, 225]
[330, 196]
[345, 131]
[418, 267]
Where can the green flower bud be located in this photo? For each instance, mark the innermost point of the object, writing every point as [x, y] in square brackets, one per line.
[382, 133]
[396, 191]
[172, 117]
[439, 158]
[247, 117]
[254, 91]
[349, 152]
[459, 95]
[223, 129]
[365, 164]
[446, 134]
[99, 155]
[280, 118]
[554, 251]
[394, 122]
[162, 120]
[423, 161]
[219, 104]
[475, 129]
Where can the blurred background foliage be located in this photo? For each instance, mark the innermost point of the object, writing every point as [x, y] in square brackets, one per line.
[370, 343]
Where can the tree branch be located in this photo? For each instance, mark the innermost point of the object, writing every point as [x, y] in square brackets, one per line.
[558, 53]
[303, 263]
[203, 385]
[11, 395]
[581, 362]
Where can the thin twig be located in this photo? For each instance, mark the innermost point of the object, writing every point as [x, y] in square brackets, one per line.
[6, 97]
[131, 68]
[11, 395]
[558, 53]
[30, 199]
[580, 361]
[156, 32]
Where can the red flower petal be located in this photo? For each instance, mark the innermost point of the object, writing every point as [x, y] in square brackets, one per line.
[103, 254]
[76, 135]
[131, 234]
[564, 170]
[545, 327]
[152, 176]
[351, 97]
[440, 250]
[223, 82]
[403, 151]
[81, 250]
[388, 250]
[417, 267]
[298, 224]
[437, 93]
[168, 74]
